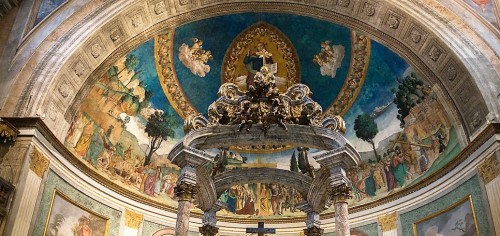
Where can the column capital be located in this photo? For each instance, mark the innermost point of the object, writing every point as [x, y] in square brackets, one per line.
[314, 231]
[133, 219]
[185, 191]
[341, 192]
[208, 230]
[388, 222]
[38, 163]
[488, 170]
[340, 185]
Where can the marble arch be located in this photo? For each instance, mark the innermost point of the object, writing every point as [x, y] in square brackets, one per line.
[465, 66]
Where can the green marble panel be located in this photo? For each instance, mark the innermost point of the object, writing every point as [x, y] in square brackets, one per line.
[472, 186]
[53, 181]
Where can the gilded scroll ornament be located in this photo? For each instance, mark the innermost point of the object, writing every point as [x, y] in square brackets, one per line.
[133, 219]
[263, 104]
[489, 169]
[39, 163]
[388, 222]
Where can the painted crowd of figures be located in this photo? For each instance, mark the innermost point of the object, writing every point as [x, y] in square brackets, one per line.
[402, 164]
[120, 163]
[261, 199]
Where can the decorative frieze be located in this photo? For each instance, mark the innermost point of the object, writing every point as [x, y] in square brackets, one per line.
[489, 170]
[38, 163]
[415, 36]
[116, 32]
[133, 219]
[96, 49]
[435, 53]
[388, 222]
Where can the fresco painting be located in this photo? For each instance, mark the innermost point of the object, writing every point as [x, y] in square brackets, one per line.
[47, 7]
[486, 9]
[134, 113]
[68, 218]
[457, 220]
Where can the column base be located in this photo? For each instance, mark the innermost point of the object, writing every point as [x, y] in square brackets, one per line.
[208, 230]
[314, 231]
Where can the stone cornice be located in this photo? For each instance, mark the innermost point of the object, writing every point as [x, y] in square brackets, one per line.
[38, 124]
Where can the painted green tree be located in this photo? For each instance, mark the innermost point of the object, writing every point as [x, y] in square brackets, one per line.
[408, 94]
[366, 129]
[159, 127]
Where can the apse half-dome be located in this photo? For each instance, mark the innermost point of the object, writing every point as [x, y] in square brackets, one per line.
[134, 113]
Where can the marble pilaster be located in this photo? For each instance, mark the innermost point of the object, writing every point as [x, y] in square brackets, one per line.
[490, 173]
[388, 224]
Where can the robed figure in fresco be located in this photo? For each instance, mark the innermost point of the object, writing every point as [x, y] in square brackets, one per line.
[254, 62]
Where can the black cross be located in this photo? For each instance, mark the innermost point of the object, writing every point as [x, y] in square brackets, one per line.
[260, 230]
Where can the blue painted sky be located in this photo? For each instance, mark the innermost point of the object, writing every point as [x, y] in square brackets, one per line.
[384, 68]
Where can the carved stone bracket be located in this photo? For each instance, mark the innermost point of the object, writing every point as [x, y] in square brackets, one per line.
[489, 169]
[388, 222]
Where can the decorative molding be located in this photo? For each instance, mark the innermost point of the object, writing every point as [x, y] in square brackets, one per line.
[8, 133]
[133, 219]
[388, 222]
[39, 163]
[488, 170]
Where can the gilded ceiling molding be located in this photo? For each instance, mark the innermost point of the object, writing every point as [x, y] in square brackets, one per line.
[360, 59]
[133, 219]
[489, 170]
[38, 163]
[388, 222]
[163, 48]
